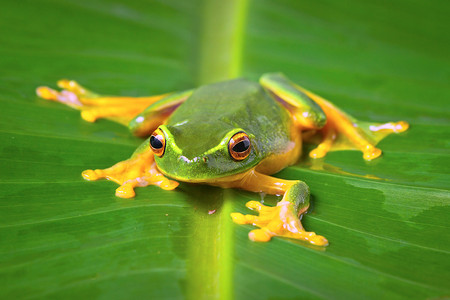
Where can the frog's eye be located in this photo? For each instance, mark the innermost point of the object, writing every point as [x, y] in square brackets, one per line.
[239, 146]
[158, 142]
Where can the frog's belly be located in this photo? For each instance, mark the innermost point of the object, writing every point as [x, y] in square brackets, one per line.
[278, 161]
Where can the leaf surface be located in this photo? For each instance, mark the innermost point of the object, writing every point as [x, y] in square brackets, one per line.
[387, 220]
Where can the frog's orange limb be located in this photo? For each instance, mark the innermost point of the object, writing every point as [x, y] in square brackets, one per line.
[328, 137]
[344, 124]
[309, 111]
[282, 220]
[138, 171]
[94, 106]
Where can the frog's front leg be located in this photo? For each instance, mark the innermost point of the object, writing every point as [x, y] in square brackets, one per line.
[138, 171]
[310, 111]
[283, 219]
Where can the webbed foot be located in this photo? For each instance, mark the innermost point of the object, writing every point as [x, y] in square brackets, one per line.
[138, 171]
[65, 96]
[280, 220]
[94, 106]
[365, 140]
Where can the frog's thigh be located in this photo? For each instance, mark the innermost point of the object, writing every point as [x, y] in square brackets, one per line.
[306, 113]
[139, 170]
[283, 219]
[94, 106]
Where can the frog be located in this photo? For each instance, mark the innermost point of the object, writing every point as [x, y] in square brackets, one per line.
[231, 134]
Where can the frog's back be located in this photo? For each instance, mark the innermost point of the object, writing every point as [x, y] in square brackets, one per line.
[215, 109]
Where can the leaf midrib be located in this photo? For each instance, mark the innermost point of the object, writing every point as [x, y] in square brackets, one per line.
[220, 58]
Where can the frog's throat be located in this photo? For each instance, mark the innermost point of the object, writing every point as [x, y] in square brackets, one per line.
[229, 181]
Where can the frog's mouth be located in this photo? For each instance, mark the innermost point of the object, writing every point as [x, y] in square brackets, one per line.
[220, 180]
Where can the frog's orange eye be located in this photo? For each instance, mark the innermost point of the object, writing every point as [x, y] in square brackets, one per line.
[239, 146]
[158, 142]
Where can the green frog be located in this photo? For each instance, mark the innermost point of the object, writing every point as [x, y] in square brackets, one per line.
[231, 134]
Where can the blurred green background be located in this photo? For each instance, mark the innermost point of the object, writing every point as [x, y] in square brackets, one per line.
[62, 237]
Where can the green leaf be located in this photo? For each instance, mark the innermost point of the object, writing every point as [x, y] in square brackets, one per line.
[387, 220]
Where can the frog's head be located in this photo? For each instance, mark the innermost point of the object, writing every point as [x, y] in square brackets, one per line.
[196, 158]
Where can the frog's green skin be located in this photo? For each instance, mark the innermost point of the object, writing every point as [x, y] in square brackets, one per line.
[197, 126]
[197, 133]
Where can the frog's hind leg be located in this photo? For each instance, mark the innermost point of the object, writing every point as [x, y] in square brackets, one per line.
[349, 132]
[339, 131]
[94, 106]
